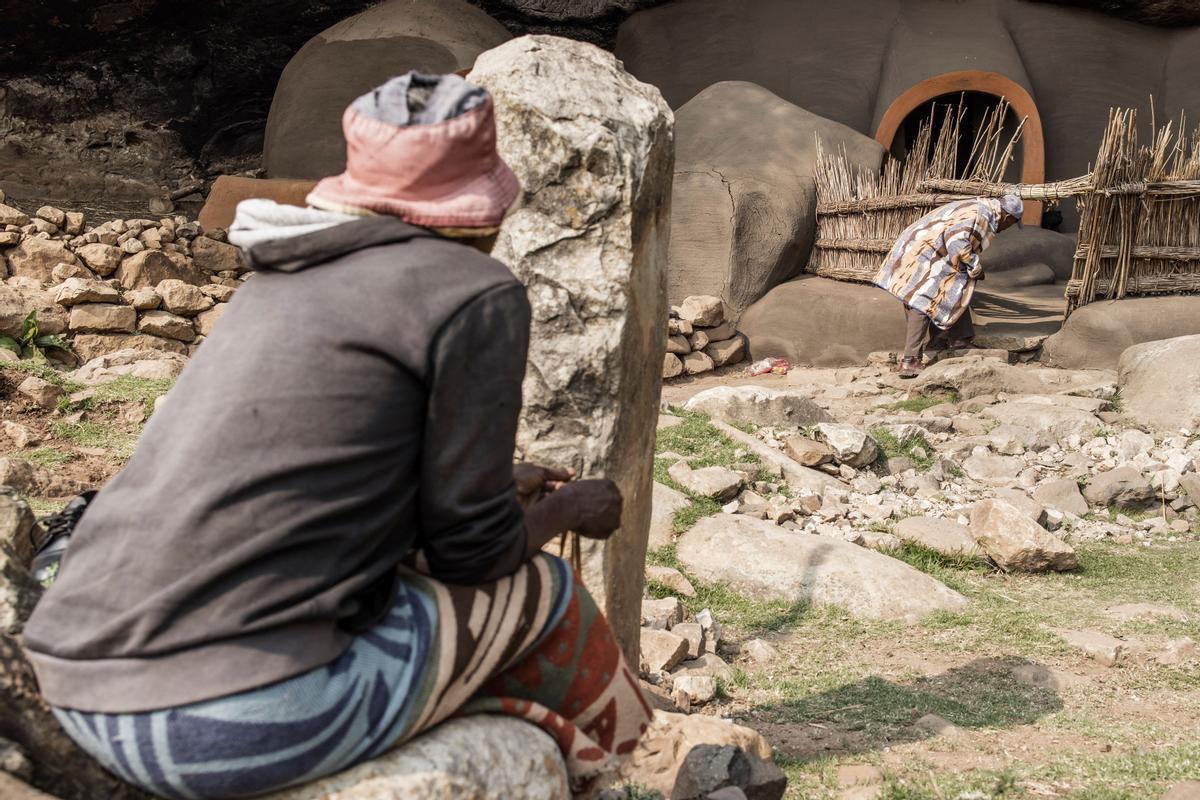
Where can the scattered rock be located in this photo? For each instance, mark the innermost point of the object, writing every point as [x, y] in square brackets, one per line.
[759, 651]
[20, 435]
[696, 689]
[758, 405]
[1062, 495]
[696, 636]
[661, 650]
[16, 524]
[851, 446]
[672, 578]
[1095, 645]
[1015, 542]
[102, 259]
[1146, 612]
[933, 725]
[150, 364]
[709, 664]
[986, 467]
[41, 391]
[1123, 486]
[759, 559]
[936, 533]
[718, 483]
[1179, 651]
[807, 452]
[709, 768]
[662, 614]
[1051, 424]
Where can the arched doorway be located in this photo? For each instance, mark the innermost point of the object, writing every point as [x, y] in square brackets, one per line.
[975, 83]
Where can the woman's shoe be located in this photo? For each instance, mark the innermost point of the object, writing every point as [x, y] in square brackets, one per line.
[910, 367]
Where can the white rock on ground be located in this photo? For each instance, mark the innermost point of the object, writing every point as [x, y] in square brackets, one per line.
[851, 446]
[761, 560]
[474, 758]
[590, 245]
[758, 405]
[719, 483]
[1160, 383]
[1015, 542]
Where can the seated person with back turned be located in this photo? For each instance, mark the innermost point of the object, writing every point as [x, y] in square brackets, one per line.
[933, 267]
[321, 546]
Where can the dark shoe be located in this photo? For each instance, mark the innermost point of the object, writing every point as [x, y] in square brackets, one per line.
[59, 528]
[910, 367]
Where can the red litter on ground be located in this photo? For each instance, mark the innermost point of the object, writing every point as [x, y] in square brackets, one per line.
[769, 366]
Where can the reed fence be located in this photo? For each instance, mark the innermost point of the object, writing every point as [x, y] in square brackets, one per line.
[1139, 206]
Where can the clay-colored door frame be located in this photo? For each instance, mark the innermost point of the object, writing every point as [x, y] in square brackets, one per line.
[1033, 143]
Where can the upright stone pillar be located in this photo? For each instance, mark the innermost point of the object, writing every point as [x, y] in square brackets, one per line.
[594, 150]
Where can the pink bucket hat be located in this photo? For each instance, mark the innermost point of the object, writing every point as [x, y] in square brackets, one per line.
[422, 148]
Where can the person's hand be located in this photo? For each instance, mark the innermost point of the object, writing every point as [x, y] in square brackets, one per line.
[536, 480]
[596, 507]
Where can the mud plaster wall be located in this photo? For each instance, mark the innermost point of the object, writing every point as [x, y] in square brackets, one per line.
[848, 61]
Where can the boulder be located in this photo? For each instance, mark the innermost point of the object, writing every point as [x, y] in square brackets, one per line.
[102, 318]
[304, 132]
[481, 757]
[665, 502]
[18, 474]
[1017, 543]
[1160, 383]
[744, 203]
[841, 323]
[36, 258]
[758, 405]
[1061, 495]
[937, 533]
[656, 762]
[851, 446]
[1095, 336]
[41, 391]
[987, 467]
[661, 614]
[152, 267]
[591, 247]
[697, 364]
[1124, 487]
[759, 559]
[719, 483]
[143, 299]
[1050, 424]
[102, 259]
[150, 364]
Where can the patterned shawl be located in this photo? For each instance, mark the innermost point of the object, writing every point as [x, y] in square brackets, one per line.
[934, 265]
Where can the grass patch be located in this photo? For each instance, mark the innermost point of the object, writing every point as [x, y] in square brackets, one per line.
[914, 447]
[918, 404]
[49, 457]
[124, 389]
[936, 563]
[40, 369]
[96, 434]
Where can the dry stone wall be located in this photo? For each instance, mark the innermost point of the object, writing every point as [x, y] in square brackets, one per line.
[701, 337]
[143, 284]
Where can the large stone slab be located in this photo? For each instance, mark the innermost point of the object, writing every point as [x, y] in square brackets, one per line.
[665, 501]
[758, 405]
[1095, 336]
[758, 559]
[972, 376]
[473, 758]
[1015, 542]
[1160, 382]
[1050, 424]
[592, 148]
[937, 533]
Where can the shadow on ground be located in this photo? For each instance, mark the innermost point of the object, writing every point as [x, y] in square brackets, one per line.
[873, 713]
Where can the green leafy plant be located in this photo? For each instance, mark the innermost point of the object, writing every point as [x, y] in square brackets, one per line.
[32, 343]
